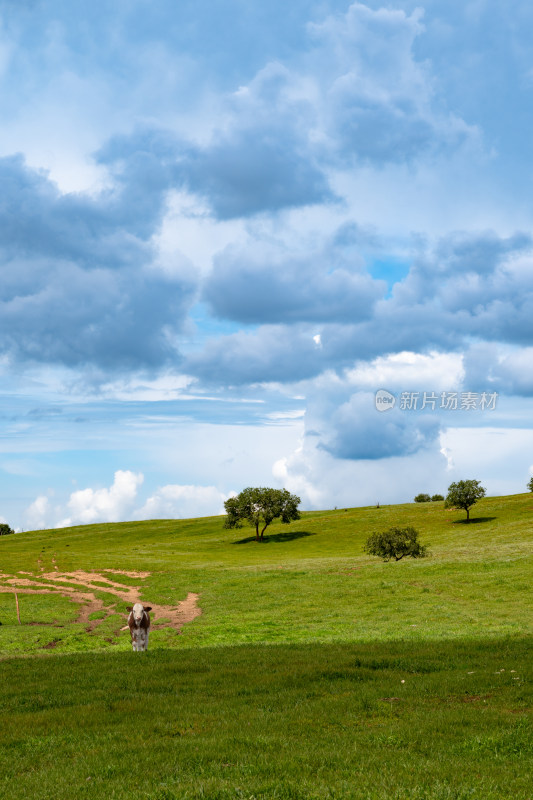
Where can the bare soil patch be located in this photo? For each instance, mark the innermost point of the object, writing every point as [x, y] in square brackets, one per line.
[129, 574]
[66, 584]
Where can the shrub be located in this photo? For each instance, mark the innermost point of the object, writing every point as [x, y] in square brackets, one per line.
[436, 497]
[422, 498]
[5, 529]
[395, 543]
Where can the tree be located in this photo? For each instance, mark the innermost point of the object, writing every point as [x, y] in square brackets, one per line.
[5, 529]
[422, 498]
[436, 497]
[464, 494]
[259, 507]
[530, 485]
[395, 543]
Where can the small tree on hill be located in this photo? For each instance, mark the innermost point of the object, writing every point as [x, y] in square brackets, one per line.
[422, 498]
[436, 497]
[395, 543]
[530, 485]
[464, 494]
[259, 507]
[5, 529]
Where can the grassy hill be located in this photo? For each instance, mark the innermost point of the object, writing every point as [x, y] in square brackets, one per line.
[314, 671]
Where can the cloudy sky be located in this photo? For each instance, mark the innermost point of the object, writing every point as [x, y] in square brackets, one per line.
[225, 225]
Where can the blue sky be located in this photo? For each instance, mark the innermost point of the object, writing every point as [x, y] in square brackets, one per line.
[224, 226]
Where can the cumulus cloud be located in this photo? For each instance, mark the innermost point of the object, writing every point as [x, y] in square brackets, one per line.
[504, 369]
[119, 502]
[351, 454]
[468, 287]
[474, 285]
[357, 95]
[409, 371]
[378, 100]
[176, 501]
[342, 419]
[79, 281]
[87, 506]
[272, 353]
[254, 155]
[266, 282]
[37, 514]
[324, 481]
[262, 158]
[356, 430]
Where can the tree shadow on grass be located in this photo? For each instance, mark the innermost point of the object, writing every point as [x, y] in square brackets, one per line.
[473, 520]
[284, 536]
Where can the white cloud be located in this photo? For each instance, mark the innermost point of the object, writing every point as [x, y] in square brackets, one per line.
[268, 281]
[87, 506]
[499, 458]
[138, 388]
[357, 114]
[282, 416]
[182, 502]
[408, 370]
[295, 473]
[378, 100]
[37, 515]
[117, 504]
[505, 368]
[323, 481]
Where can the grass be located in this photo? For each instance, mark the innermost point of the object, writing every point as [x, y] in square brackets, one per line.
[315, 671]
[288, 721]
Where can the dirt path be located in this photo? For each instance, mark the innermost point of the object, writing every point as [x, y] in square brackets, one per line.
[66, 584]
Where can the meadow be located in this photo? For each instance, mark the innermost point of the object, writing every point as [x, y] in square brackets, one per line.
[313, 671]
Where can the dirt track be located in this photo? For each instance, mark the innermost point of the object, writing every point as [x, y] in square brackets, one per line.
[81, 587]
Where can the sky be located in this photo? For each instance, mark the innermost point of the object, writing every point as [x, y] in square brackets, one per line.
[268, 244]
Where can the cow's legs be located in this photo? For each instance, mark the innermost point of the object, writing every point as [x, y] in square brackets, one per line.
[139, 639]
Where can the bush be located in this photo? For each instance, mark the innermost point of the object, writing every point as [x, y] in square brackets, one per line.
[422, 498]
[437, 497]
[395, 543]
[5, 529]
[530, 485]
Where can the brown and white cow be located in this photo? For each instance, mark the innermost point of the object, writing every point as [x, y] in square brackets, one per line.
[139, 625]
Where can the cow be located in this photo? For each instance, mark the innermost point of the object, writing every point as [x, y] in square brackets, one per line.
[139, 625]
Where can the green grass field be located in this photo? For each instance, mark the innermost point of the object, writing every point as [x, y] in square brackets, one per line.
[314, 671]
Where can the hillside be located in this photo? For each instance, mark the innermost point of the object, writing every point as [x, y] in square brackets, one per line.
[309, 581]
[313, 671]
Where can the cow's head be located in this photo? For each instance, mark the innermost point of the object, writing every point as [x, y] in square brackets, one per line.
[138, 610]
